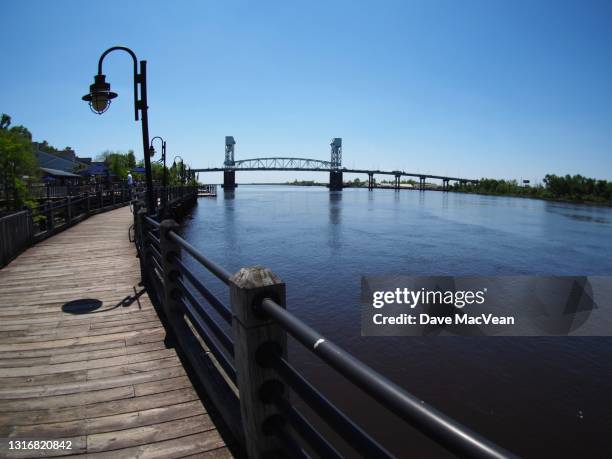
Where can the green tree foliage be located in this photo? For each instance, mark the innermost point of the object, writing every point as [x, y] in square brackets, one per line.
[566, 188]
[173, 173]
[44, 146]
[17, 163]
[118, 162]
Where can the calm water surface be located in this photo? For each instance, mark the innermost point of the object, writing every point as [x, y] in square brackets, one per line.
[539, 397]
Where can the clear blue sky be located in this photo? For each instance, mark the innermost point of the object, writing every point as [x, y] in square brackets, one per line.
[511, 89]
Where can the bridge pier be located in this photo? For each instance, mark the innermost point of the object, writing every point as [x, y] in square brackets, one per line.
[335, 180]
[370, 180]
[229, 180]
[445, 184]
[396, 185]
[422, 183]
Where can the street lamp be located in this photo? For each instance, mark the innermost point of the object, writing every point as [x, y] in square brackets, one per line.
[163, 161]
[182, 172]
[100, 97]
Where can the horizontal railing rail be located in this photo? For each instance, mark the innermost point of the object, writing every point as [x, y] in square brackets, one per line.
[245, 370]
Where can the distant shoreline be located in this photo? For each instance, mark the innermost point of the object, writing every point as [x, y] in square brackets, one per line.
[539, 198]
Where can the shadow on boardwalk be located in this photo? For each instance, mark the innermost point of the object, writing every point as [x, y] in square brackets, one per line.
[103, 381]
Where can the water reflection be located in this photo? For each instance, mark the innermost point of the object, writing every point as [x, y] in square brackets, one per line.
[582, 213]
[445, 200]
[587, 218]
[229, 220]
[335, 219]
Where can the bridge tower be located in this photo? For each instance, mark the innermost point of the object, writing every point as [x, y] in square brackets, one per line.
[229, 174]
[335, 174]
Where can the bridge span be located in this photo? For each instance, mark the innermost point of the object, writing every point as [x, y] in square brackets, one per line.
[334, 167]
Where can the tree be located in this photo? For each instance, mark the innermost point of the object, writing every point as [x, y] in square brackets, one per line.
[17, 162]
[118, 163]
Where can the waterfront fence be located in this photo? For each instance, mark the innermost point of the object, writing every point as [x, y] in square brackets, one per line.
[16, 232]
[20, 230]
[246, 371]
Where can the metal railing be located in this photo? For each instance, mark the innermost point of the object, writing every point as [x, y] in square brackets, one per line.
[53, 191]
[16, 232]
[245, 370]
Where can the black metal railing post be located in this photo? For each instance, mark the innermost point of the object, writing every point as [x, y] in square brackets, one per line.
[170, 250]
[253, 337]
[139, 229]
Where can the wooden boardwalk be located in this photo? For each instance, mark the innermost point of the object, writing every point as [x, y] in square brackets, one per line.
[102, 380]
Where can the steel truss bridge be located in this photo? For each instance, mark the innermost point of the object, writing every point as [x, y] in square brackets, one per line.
[334, 168]
[283, 164]
[306, 164]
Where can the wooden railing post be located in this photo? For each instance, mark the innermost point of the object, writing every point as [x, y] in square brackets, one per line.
[49, 216]
[169, 250]
[113, 192]
[254, 334]
[88, 202]
[100, 200]
[69, 210]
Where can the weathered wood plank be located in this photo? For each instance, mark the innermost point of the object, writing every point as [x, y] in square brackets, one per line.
[183, 393]
[108, 423]
[170, 449]
[4, 347]
[126, 438]
[74, 399]
[49, 390]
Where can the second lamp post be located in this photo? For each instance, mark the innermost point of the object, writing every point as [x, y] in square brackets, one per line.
[164, 173]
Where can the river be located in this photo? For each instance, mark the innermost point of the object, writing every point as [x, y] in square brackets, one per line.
[538, 397]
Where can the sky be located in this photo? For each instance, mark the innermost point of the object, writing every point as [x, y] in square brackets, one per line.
[503, 89]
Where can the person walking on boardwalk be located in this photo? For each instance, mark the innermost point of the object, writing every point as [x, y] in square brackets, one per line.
[130, 183]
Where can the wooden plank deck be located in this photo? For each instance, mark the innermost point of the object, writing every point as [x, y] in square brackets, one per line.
[103, 380]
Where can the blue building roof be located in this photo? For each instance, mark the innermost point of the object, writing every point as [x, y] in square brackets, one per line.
[57, 172]
[97, 168]
[50, 161]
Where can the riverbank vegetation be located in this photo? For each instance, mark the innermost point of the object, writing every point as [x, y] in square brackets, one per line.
[120, 163]
[571, 188]
[17, 164]
[19, 167]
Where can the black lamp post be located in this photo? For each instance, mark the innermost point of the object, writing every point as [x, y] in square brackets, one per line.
[100, 97]
[182, 170]
[163, 161]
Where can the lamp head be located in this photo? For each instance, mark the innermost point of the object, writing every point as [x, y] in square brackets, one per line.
[151, 151]
[100, 95]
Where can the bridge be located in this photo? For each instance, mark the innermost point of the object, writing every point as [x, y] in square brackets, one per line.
[334, 167]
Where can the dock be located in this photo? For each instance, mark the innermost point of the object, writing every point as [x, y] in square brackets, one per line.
[82, 354]
[207, 191]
